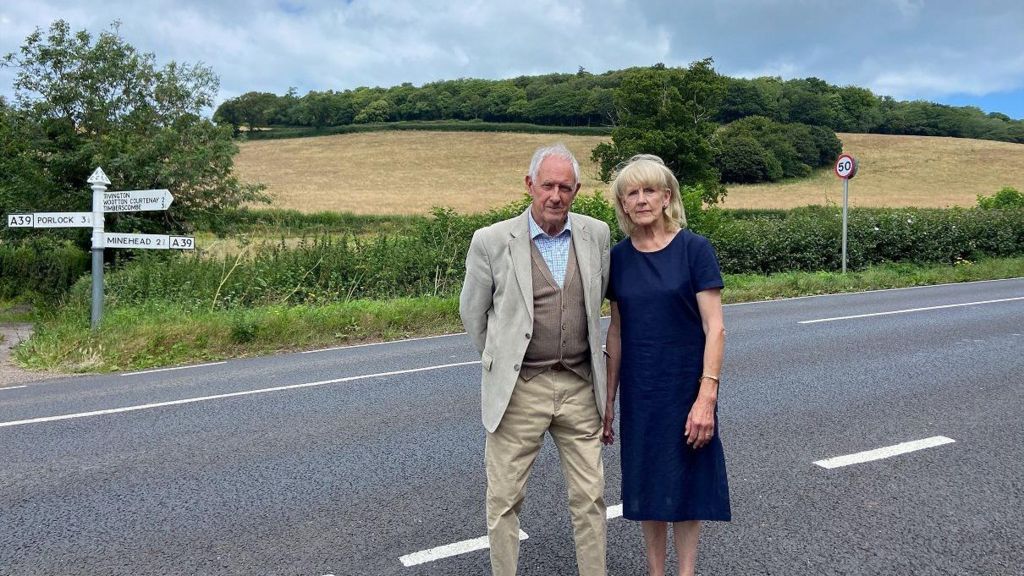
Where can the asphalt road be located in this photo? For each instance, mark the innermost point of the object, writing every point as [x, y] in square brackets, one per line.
[348, 461]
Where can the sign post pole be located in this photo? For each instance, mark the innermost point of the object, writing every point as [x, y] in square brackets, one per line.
[846, 168]
[846, 203]
[99, 182]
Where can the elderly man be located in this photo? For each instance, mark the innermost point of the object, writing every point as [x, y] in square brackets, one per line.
[531, 303]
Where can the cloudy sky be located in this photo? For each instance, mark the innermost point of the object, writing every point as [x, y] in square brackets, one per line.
[961, 52]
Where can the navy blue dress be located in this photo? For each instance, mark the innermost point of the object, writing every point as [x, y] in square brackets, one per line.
[662, 358]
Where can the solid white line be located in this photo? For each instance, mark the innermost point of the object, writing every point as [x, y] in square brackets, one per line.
[381, 343]
[880, 453]
[229, 395]
[907, 310]
[774, 300]
[12, 387]
[173, 368]
[449, 550]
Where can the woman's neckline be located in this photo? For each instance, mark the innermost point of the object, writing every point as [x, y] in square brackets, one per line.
[675, 235]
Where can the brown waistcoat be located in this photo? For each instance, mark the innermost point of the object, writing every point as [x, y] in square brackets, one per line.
[559, 320]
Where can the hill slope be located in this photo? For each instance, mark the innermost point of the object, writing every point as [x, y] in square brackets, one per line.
[409, 172]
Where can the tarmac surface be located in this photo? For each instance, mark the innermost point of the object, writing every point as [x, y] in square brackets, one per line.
[353, 461]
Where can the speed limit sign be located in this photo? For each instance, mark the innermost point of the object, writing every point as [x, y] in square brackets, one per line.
[846, 167]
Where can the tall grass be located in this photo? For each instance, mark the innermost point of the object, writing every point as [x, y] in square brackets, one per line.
[163, 332]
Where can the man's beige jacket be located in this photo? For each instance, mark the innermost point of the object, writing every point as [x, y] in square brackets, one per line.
[497, 303]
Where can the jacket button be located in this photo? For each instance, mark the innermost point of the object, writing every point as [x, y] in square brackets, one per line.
[516, 367]
[527, 335]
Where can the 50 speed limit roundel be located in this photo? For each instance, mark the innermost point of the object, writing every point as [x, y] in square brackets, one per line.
[846, 166]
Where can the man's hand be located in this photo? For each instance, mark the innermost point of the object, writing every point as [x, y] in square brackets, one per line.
[608, 434]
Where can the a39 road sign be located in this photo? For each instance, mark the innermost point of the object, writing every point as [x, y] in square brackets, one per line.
[51, 220]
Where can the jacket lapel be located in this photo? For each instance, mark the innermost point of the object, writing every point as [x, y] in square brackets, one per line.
[519, 248]
[584, 248]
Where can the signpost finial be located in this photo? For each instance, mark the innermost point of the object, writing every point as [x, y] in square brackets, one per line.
[98, 177]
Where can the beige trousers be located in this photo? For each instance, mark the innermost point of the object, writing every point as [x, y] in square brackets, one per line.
[561, 403]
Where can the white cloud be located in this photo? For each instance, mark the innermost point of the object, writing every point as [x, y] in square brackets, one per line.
[904, 48]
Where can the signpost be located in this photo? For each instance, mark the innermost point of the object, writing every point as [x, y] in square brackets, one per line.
[846, 168]
[102, 202]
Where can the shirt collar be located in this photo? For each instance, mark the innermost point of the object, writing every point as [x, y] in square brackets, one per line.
[535, 229]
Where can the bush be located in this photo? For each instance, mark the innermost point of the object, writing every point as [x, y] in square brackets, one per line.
[429, 257]
[42, 266]
[758, 149]
[810, 238]
[743, 160]
[1005, 198]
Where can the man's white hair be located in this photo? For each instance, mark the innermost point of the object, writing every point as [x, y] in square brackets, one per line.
[557, 150]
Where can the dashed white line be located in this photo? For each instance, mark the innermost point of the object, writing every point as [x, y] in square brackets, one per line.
[465, 546]
[229, 395]
[887, 452]
[12, 387]
[173, 368]
[614, 511]
[908, 310]
[449, 550]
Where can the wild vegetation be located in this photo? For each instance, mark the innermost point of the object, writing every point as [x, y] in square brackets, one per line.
[83, 101]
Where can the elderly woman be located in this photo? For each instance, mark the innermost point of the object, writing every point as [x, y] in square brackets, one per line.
[664, 351]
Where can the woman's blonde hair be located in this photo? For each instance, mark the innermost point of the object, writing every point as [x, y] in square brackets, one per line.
[649, 171]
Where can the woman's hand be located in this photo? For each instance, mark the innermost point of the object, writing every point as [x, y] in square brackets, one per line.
[608, 434]
[700, 424]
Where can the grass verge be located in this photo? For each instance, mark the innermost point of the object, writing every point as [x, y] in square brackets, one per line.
[164, 334]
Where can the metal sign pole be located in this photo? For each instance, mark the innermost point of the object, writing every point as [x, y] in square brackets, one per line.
[99, 183]
[846, 168]
[846, 196]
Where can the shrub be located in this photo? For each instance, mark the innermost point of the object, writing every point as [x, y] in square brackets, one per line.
[40, 265]
[1005, 198]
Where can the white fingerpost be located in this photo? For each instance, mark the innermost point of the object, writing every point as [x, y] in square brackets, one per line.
[99, 182]
[846, 168]
[103, 201]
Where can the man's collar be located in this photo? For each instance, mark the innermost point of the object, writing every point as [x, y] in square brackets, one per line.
[536, 230]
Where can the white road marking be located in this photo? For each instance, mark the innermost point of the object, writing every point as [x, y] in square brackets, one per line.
[880, 453]
[908, 310]
[12, 387]
[774, 300]
[229, 395]
[382, 343]
[614, 511]
[449, 550]
[481, 543]
[173, 368]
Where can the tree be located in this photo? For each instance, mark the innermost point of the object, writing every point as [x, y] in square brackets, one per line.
[742, 160]
[668, 112]
[376, 111]
[83, 101]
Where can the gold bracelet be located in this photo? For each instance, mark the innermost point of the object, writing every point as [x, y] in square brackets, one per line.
[710, 377]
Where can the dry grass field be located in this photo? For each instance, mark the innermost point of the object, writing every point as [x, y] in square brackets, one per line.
[409, 172]
[900, 171]
[401, 172]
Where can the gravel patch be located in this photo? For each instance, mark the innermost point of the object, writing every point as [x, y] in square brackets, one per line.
[10, 375]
